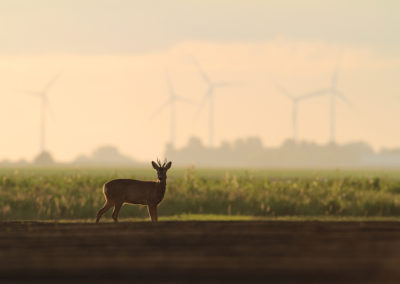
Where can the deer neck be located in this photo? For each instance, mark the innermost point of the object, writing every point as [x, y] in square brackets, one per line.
[162, 183]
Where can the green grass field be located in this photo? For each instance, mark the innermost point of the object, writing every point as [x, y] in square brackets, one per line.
[68, 193]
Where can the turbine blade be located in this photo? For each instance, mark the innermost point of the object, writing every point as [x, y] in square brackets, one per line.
[313, 94]
[284, 91]
[334, 79]
[343, 98]
[49, 84]
[225, 84]
[38, 94]
[183, 99]
[169, 84]
[161, 107]
[49, 107]
[201, 106]
[335, 74]
[201, 71]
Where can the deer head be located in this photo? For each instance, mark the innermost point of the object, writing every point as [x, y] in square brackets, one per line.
[161, 169]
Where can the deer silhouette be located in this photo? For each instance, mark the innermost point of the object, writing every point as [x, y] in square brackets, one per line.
[150, 193]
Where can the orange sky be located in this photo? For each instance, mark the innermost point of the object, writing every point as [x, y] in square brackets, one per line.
[108, 99]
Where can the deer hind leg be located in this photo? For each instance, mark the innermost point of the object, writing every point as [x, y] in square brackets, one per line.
[115, 213]
[103, 210]
[153, 212]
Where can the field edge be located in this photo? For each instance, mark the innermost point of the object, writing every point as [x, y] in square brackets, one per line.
[211, 217]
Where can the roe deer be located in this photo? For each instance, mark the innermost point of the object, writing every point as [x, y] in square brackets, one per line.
[150, 193]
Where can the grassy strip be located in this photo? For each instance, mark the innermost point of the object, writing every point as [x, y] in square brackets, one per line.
[57, 194]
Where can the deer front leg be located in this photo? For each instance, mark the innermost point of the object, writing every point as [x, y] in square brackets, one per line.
[153, 212]
[117, 207]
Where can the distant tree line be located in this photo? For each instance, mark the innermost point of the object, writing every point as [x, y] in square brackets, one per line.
[250, 152]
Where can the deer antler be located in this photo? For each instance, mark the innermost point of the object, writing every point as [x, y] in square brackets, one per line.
[159, 162]
[165, 162]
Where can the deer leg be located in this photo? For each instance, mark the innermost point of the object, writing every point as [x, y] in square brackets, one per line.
[153, 212]
[103, 210]
[117, 207]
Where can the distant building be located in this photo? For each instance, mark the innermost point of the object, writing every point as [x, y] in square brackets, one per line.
[43, 159]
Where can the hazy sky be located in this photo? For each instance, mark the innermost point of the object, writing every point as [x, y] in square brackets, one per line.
[113, 55]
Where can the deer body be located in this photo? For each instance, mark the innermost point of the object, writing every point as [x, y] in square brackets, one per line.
[150, 193]
[134, 191]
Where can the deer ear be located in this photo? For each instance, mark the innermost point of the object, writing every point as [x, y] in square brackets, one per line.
[168, 165]
[154, 165]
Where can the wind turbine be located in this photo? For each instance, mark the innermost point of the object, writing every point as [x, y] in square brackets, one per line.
[43, 96]
[334, 93]
[173, 99]
[209, 96]
[295, 104]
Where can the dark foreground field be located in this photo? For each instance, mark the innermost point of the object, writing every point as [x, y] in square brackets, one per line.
[206, 252]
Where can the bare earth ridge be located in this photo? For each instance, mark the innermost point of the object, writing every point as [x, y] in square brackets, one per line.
[200, 252]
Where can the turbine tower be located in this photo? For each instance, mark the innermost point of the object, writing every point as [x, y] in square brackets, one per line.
[209, 96]
[334, 93]
[43, 96]
[295, 104]
[173, 99]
